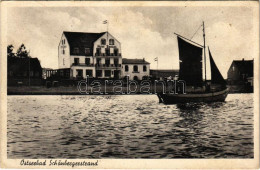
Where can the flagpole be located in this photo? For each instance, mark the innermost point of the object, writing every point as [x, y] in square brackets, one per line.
[204, 48]
[107, 25]
[157, 68]
[107, 34]
[106, 22]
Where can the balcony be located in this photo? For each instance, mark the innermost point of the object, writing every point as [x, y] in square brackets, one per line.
[135, 72]
[83, 64]
[108, 65]
[107, 55]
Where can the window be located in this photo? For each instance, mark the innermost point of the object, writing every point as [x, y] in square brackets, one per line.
[76, 61]
[135, 78]
[135, 68]
[87, 61]
[98, 61]
[144, 68]
[61, 73]
[107, 73]
[116, 62]
[87, 51]
[111, 42]
[79, 72]
[103, 41]
[63, 61]
[107, 62]
[107, 52]
[99, 73]
[126, 68]
[63, 51]
[76, 50]
[89, 73]
[116, 52]
[68, 73]
[64, 41]
[98, 52]
[31, 73]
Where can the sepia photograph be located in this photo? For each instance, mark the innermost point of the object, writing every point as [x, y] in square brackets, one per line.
[84, 83]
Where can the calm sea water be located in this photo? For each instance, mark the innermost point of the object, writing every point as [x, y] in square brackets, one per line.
[128, 127]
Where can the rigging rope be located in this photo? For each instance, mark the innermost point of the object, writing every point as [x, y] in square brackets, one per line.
[196, 32]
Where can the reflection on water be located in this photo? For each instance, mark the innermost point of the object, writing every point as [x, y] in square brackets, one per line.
[128, 127]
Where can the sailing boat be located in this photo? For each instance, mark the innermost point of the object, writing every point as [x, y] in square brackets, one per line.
[197, 90]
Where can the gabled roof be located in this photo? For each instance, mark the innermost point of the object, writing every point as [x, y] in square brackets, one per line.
[81, 40]
[134, 61]
[245, 66]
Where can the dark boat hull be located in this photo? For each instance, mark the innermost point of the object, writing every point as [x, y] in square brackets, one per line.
[218, 96]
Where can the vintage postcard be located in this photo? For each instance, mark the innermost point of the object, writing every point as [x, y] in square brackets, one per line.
[130, 85]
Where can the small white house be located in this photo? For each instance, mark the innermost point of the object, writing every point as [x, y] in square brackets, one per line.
[136, 69]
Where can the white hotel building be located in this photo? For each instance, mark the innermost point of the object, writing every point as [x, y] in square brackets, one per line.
[96, 55]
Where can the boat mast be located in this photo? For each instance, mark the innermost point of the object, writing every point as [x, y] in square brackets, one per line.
[204, 46]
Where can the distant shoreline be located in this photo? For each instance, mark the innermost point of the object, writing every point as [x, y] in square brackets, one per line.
[72, 90]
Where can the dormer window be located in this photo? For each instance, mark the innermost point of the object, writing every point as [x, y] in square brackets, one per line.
[87, 51]
[103, 41]
[76, 61]
[111, 42]
[76, 50]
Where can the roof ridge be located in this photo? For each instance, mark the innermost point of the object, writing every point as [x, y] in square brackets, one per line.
[85, 32]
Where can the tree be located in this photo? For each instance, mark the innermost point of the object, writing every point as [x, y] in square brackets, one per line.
[10, 53]
[22, 52]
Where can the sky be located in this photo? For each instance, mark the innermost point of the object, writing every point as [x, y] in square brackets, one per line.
[144, 32]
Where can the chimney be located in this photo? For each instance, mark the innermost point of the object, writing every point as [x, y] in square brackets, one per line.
[144, 59]
[243, 59]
